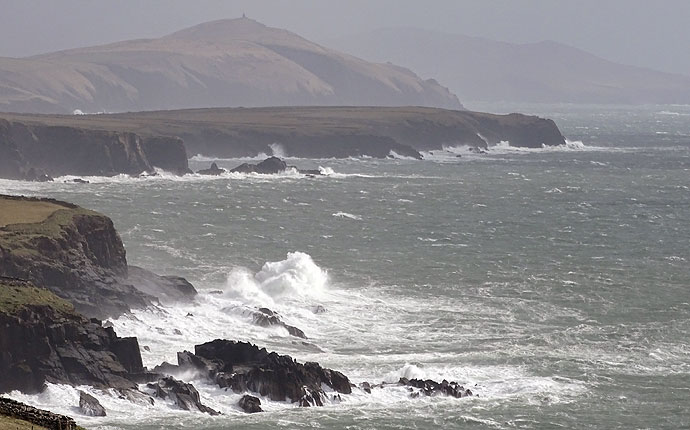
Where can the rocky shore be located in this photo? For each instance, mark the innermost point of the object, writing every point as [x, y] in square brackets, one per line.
[30, 417]
[37, 147]
[62, 265]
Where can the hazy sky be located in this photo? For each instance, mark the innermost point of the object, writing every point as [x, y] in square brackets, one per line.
[639, 32]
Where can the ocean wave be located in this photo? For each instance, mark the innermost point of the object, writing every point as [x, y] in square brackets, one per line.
[296, 277]
[347, 215]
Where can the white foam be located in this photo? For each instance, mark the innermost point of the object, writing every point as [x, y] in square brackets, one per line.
[395, 155]
[278, 150]
[347, 215]
[296, 276]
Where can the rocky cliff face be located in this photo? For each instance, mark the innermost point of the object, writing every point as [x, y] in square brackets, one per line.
[60, 150]
[78, 255]
[42, 339]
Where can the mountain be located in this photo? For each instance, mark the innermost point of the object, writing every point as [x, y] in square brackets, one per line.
[480, 69]
[235, 62]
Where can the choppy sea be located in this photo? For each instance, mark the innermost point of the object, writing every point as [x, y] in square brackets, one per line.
[555, 283]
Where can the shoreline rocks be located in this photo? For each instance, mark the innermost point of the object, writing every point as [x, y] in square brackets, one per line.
[89, 405]
[39, 417]
[43, 339]
[214, 170]
[185, 396]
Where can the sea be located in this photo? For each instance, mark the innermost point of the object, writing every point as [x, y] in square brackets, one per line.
[552, 282]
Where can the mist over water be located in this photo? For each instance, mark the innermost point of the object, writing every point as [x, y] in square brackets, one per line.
[554, 283]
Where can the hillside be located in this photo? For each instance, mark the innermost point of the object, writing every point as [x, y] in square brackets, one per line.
[235, 62]
[479, 69]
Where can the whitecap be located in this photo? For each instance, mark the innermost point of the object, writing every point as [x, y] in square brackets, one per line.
[347, 215]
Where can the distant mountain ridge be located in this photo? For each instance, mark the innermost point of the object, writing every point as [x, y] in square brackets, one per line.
[478, 69]
[235, 62]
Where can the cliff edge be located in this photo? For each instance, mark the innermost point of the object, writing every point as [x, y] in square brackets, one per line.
[78, 255]
[32, 149]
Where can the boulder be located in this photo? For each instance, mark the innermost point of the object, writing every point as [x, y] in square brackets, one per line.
[214, 170]
[265, 317]
[184, 395]
[250, 404]
[89, 405]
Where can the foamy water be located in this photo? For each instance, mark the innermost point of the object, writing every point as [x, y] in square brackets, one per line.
[550, 281]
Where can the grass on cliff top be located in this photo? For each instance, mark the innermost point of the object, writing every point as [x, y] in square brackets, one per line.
[37, 218]
[16, 424]
[13, 297]
[25, 211]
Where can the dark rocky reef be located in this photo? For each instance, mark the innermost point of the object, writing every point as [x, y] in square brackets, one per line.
[42, 339]
[33, 150]
[78, 254]
[241, 367]
[271, 166]
[38, 417]
[430, 387]
[185, 396]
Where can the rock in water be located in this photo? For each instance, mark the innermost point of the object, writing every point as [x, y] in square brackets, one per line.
[269, 166]
[90, 406]
[214, 170]
[242, 367]
[250, 404]
[184, 395]
[265, 317]
[431, 388]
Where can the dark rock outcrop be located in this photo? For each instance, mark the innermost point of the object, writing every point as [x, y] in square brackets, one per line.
[272, 166]
[250, 404]
[429, 387]
[78, 254]
[265, 317]
[89, 405]
[185, 396]
[36, 151]
[35, 416]
[269, 166]
[214, 170]
[42, 339]
[242, 367]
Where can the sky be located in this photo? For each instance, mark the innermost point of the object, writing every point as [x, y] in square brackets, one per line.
[647, 33]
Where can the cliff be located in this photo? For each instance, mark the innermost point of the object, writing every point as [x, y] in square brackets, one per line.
[43, 339]
[77, 254]
[308, 132]
[30, 148]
